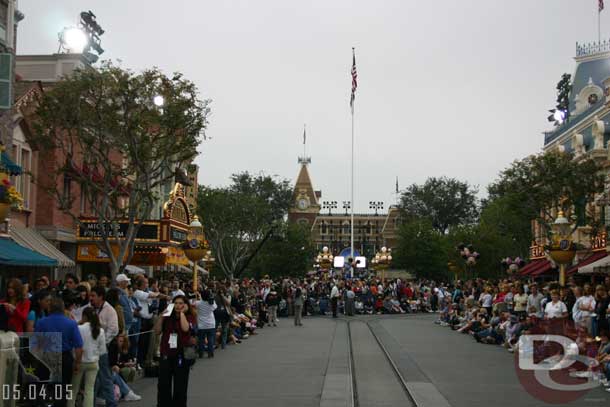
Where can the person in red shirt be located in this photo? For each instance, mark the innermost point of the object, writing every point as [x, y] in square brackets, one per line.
[16, 305]
[175, 330]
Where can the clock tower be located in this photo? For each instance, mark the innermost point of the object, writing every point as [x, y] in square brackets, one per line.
[305, 206]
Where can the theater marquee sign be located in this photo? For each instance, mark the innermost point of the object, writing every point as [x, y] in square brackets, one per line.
[157, 242]
[92, 230]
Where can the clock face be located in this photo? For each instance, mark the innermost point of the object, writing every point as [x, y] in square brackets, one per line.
[302, 204]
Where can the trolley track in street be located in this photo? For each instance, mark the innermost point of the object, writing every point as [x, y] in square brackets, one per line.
[376, 378]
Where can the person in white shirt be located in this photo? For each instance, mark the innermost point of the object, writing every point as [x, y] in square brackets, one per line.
[583, 307]
[94, 345]
[110, 323]
[144, 299]
[334, 299]
[555, 308]
[534, 301]
[206, 322]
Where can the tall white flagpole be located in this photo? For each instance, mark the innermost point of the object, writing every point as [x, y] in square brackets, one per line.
[352, 170]
[352, 194]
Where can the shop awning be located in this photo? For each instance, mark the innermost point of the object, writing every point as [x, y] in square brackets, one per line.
[131, 269]
[545, 267]
[529, 267]
[593, 258]
[12, 254]
[189, 269]
[595, 267]
[8, 165]
[30, 238]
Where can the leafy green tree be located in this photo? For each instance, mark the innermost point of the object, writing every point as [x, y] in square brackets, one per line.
[422, 249]
[102, 131]
[289, 252]
[541, 185]
[446, 202]
[241, 218]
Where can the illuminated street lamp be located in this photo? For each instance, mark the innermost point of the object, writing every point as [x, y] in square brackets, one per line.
[562, 250]
[382, 261]
[159, 100]
[73, 39]
[195, 247]
[325, 259]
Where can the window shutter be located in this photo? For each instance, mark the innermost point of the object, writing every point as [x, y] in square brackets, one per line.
[6, 80]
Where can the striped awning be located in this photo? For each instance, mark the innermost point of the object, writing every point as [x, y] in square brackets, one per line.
[531, 266]
[30, 238]
[599, 266]
[593, 258]
[13, 254]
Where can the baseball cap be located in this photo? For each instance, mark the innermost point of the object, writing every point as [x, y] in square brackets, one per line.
[122, 277]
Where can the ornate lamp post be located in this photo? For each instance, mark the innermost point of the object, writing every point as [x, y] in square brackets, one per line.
[382, 261]
[562, 249]
[453, 269]
[196, 246]
[324, 260]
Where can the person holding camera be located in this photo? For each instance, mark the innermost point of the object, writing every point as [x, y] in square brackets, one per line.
[206, 322]
[175, 326]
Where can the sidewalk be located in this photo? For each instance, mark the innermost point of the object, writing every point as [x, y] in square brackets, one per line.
[281, 366]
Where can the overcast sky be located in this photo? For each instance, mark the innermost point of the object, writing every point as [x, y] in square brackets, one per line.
[456, 88]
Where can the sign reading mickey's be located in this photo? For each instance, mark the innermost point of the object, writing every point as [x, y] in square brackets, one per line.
[92, 230]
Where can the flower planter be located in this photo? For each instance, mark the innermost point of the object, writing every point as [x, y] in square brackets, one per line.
[4, 211]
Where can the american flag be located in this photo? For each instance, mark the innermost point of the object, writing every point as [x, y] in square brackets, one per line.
[601, 5]
[355, 79]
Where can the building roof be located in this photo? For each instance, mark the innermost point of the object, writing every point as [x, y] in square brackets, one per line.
[592, 69]
[305, 185]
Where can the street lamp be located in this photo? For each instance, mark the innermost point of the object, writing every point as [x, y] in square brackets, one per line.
[159, 100]
[562, 250]
[347, 206]
[376, 206]
[73, 39]
[83, 38]
[382, 261]
[453, 269]
[195, 246]
[325, 259]
[330, 205]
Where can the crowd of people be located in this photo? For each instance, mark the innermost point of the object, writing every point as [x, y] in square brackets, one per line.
[114, 332]
[499, 313]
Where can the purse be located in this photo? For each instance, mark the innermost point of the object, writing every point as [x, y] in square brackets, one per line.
[190, 353]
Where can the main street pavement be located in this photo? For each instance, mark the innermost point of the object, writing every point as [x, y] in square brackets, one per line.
[310, 366]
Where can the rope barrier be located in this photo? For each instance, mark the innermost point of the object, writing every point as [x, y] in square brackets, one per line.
[27, 347]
